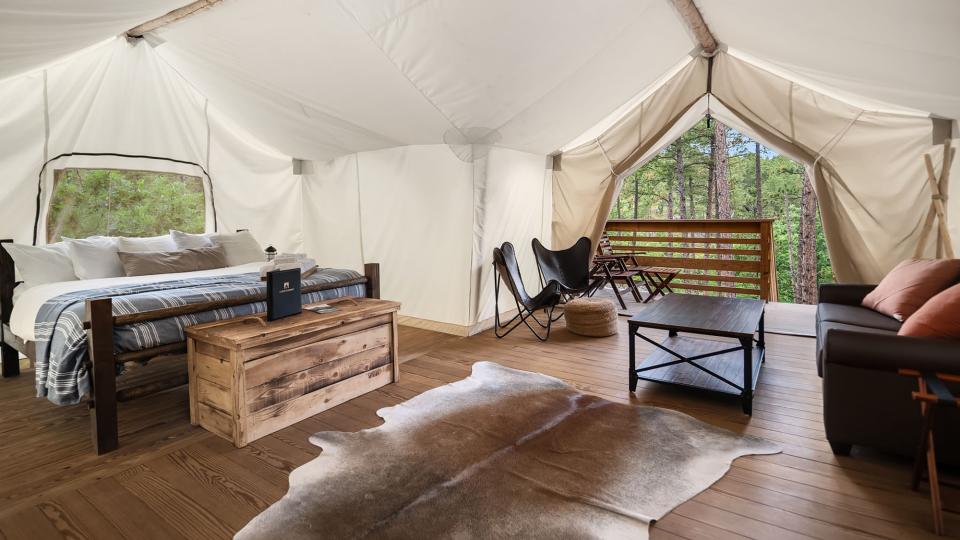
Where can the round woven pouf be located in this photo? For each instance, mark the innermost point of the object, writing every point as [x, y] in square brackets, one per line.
[593, 317]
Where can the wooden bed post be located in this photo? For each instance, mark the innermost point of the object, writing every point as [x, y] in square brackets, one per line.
[372, 272]
[9, 356]
[103, 375]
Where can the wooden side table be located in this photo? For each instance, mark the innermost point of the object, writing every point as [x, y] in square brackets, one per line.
[931, 394]
[250, 377]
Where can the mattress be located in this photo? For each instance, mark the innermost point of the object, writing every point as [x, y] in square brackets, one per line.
[27, 303]
[61, 370]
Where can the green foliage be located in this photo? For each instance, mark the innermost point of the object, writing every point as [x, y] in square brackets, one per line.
[645, 193]
[113, 202]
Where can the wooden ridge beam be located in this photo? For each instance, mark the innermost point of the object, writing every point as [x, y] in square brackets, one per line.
[171, 17]
[694, 20]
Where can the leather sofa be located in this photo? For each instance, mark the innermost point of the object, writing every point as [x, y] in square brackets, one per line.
[865, 401]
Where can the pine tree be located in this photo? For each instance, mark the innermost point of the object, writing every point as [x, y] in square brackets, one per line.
[758, 201]
[721, 180]
[808, 243]
[680, 179]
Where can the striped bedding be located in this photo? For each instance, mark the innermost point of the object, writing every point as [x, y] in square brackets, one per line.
[62, 374]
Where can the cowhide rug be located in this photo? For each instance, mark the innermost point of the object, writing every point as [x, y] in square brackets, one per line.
[503, 453]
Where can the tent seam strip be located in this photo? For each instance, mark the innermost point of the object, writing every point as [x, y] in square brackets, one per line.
[363, 256]
[835, 140]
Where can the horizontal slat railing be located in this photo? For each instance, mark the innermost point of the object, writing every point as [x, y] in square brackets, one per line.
[714, 256]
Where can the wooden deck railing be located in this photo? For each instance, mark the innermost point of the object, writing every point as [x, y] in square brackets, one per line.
[715, 256]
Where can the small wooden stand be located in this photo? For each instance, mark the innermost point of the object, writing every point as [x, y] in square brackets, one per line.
[932, 393]
[937, 211]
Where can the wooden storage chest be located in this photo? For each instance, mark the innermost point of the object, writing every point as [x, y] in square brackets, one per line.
[250, 377]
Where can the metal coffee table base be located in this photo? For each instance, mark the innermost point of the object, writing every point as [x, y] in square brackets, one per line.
[712, 365]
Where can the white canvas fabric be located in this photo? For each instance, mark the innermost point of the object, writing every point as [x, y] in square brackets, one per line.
[901, 53]
[586, 179]
[848, 149]
[36, 32]
[426, 126]
[365, 75]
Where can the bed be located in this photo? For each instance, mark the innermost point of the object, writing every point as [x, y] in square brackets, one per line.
[82, 335]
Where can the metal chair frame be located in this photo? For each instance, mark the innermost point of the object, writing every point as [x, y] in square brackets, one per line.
[524, 312]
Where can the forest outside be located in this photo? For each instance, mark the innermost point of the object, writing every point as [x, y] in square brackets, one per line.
[715, 172]
[117, 202]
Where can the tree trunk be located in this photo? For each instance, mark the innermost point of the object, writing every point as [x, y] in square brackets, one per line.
[681, 181]
[808, 242]
[721, 183]
[670, 188]
[721, 187]
[693, 208]
[708, 211]
[636, 196]
[758, 204]
[794, 282]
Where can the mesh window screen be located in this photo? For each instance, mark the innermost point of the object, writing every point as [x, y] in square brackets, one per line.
[118, 202]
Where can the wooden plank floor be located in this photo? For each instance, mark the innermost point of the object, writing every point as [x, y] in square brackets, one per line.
[172, 481]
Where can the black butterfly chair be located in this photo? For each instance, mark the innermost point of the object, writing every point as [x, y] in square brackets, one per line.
[570, 267]
[505, 267]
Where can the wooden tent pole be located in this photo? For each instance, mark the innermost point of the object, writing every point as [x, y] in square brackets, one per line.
[694, 20]
[937, 210]
[173, 16]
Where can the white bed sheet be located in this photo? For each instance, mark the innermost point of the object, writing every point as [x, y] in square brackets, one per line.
[28, 302]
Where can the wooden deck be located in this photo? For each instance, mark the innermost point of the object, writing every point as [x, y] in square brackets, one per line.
[170, 480]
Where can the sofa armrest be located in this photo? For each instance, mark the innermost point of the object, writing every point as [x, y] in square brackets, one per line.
[889, 352]
[850, 294]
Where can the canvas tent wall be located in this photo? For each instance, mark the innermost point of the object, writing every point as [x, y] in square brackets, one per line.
[425, 127]
[866, 164]
[121, 98]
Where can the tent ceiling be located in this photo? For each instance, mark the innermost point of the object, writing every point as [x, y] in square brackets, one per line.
[325, 78]
[361, 75]
[905, 53]
[36, 32]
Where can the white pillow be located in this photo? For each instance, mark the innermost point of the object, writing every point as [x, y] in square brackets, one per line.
[104, 241]
[139, 245]
[37, 265]
[95, 258]
[241, 247]
[190, 241]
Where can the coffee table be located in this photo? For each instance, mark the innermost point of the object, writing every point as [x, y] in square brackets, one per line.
[715, 365]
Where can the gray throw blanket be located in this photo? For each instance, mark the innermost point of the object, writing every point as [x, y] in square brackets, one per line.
[61, 342]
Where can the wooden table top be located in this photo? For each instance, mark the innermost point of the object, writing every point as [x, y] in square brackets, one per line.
[249, 331]
[712, 315]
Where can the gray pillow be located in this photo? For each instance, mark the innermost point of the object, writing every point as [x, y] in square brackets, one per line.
[172, 262]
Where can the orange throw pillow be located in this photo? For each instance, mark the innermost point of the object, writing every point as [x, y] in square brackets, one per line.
[938, 318]
[910, 285]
